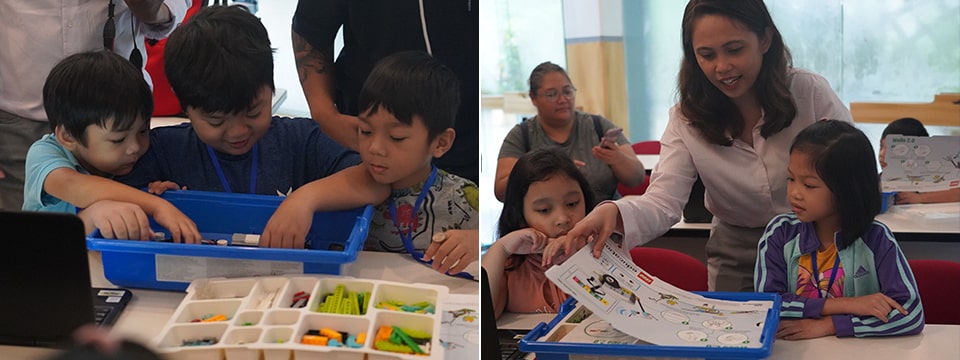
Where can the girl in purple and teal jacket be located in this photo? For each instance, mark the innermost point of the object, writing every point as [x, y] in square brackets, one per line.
[839, 271]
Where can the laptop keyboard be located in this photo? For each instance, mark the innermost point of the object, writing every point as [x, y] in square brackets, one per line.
[510, 344]
[100, 314]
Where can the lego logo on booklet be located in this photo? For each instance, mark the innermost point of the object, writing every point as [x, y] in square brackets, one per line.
[645, 278]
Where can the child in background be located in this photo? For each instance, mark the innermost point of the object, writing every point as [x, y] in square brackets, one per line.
[99, 107]
[408, 105]
[913, 127]
[220, 65]
[838, 270]
[545, 196]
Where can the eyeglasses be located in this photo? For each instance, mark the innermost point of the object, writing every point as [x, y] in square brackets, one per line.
[568, 92]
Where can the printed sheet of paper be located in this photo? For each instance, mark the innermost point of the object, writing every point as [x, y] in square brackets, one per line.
[460, 327]
[921, 163]
[652, 310]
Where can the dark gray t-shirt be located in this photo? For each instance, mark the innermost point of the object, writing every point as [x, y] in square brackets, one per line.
[579, 145]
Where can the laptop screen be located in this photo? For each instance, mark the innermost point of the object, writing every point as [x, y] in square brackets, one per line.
[490, 342]
[45, 277]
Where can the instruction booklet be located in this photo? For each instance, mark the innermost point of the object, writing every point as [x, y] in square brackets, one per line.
[920, 163]
[649, 309]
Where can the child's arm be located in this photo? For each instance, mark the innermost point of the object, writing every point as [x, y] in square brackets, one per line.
[943, 196]
[116, 220]
[83, 190]
[770, 274]
[523, 241]
[349, 188]
[799, 329]
[896, 298]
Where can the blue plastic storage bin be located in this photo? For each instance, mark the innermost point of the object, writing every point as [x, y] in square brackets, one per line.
[886, 199]
[335, 238]
[563, 351]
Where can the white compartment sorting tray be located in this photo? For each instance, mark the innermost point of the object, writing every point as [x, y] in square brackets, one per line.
[259, 322]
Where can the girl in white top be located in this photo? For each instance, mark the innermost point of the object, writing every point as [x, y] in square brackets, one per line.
[741, 104]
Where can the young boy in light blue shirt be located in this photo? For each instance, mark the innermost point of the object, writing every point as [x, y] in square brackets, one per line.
[98, 106]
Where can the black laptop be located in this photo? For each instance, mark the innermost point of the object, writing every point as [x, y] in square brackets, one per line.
[504, 342]
[46, 281]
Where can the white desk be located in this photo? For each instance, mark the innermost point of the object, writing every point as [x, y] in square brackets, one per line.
[648, 161]
[150, 310]
[904, 220]
[930, 222]
[936, 342]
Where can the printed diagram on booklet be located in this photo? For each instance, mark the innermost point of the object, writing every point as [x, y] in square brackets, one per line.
[651, 310]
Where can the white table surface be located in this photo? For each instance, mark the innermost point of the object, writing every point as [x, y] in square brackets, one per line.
[149, 310]
[649, 161]
[899, 218]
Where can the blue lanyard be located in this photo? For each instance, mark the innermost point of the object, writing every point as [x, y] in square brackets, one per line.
[816, 278]
[223, 178]
[406, 235]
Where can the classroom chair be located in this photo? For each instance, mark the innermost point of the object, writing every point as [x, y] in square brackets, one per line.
[938, 282]
[651, 147]
[677, 268]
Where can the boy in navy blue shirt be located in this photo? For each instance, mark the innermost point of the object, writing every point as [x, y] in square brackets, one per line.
[220, 66]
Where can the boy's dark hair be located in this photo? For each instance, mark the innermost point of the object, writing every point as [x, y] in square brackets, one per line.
[536, 76]
[844, 160]
[905, 126]
[412, 83]
[711, 112]
[219, 60]
[537, 165]
[90, 88]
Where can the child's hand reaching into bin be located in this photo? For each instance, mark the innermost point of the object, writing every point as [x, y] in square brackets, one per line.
[116, 220]
[181, 228]
[288, 226]
[159, 187]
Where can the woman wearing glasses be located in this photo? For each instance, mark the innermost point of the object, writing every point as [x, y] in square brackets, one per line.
[579, 135]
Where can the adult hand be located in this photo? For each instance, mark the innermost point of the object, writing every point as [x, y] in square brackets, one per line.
[288, 226]
[554, 252]
[805, 328]
[116, 220]
[159, 187]
[609, 155]
[182, 229]
[597, 225]
[3, 175]
[149, 11]
[458, 249]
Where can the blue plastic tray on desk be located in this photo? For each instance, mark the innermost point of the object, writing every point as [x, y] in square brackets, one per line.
[334, 240]
[562, 350]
